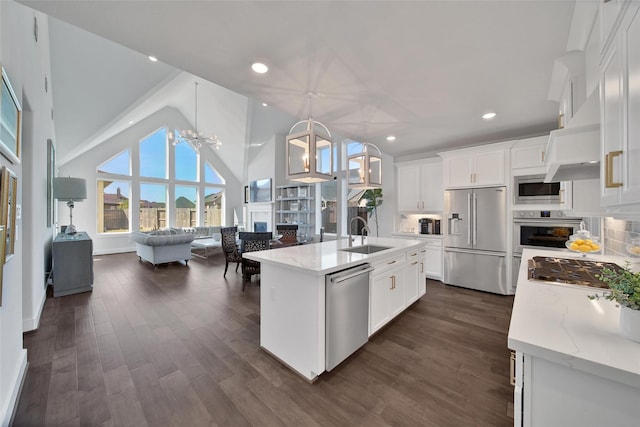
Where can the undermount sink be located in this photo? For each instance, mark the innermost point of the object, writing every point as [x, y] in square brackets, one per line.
[366, 249]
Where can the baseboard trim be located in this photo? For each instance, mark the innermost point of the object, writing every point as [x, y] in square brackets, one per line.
[34, 323]
[113, 251]
[12, 404]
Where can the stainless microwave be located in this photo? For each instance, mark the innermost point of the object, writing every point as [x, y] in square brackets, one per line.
[533, 190]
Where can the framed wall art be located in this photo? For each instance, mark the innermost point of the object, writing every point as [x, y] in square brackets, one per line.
[8, 196]
[10, 121]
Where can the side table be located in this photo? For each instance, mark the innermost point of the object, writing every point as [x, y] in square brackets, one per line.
[72, 264]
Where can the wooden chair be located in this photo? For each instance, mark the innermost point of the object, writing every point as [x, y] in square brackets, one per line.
[289, 234]
[252, 242]
[230, 248]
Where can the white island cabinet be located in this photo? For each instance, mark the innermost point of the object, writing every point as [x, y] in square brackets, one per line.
[573, 368]
[292, 295]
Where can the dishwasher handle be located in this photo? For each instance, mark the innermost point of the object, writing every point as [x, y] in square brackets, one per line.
[338, 279]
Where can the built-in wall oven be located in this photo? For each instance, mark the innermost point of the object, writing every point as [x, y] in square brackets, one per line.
[548, 229]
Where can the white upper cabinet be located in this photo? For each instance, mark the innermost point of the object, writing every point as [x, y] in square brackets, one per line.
[420, 186]
[477, 167]
[620, 110]
[527, 156]
[609, 15]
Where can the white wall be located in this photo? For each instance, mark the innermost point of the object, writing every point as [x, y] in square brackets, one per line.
[84, 166]
[27, 63]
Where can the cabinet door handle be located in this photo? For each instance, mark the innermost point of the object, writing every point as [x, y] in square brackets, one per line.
[423, 251]
[422, 205]
[512, 368]
[414, 254]
[414, 262]
[561, 194]
[471, 177]
[608, 166]
[393, 282]
[391, 262]
[417, 205]
[422, 267]
[542, 156]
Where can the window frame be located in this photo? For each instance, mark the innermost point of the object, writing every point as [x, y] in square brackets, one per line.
[135, 180]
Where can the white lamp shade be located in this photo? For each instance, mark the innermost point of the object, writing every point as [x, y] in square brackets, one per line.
[67, 188]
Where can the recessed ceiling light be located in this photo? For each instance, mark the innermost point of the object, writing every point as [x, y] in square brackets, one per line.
[391, 138]
[153, 58]
[264, 104]
[131, 122]
[489, 116]
[259, 67]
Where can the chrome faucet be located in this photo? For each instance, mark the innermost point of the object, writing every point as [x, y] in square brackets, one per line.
[362, 230]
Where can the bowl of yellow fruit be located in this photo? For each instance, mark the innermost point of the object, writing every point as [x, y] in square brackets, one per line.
[583, 242]
[633, 248]
[584, 246]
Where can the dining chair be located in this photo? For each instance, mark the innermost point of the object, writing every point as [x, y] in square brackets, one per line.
[252, 242]
[289, 233]
[230, 248]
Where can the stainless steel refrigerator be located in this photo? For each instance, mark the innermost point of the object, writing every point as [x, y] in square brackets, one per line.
[475, 241]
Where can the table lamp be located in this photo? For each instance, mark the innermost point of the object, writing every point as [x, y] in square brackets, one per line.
[70, 190]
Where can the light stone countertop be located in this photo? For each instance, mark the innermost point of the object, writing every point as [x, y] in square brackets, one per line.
[327, 257]
[557, 322]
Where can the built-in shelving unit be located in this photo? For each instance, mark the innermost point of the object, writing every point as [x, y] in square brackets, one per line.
[294, 205]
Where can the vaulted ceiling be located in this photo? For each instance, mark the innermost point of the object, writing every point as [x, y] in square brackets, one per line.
[424, 71]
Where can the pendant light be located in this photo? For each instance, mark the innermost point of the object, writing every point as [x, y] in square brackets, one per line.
[309, 152]
[365, 168]
[193, 136]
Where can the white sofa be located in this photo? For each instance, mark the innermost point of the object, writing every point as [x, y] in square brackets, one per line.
[162, 246]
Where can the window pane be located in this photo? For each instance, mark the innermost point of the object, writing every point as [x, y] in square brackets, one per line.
[356, 207]
[211, 176]
[153, 206]
[113, 206]
[329, 207]
[353, 147]
[120, 164]
[186, 206]
[153, 155]
[213, 206]
[186, 163]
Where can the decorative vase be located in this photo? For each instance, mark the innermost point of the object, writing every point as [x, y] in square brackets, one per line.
[630, 323]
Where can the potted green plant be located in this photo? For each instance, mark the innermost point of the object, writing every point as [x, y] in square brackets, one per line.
[624, 289]
[374, 199]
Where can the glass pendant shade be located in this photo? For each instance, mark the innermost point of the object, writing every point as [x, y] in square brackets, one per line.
[309, 154]
[365, 168]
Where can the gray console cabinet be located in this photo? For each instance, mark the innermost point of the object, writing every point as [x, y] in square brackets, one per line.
[72, 264]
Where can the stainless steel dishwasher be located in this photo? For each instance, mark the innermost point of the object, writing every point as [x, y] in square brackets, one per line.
[346, 313]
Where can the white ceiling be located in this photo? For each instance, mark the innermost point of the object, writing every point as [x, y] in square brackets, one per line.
[424, 71]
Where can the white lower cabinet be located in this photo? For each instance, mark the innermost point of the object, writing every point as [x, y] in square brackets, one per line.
[550, 394]
[387, 291]
[413, 276]
[433, 254]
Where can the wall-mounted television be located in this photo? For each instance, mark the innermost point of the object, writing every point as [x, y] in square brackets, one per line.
[260, 190]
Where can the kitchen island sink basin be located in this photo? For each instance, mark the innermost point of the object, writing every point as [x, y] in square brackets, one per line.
[366, 249]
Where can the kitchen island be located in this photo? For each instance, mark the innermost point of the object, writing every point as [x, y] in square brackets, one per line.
[292, 294]
[572, 365]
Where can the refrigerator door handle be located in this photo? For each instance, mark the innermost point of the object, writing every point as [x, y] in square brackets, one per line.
[475, 219]
[469, 219]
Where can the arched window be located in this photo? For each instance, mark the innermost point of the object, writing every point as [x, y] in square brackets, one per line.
[189, 193]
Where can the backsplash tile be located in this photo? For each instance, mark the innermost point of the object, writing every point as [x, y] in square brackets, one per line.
[618, 234]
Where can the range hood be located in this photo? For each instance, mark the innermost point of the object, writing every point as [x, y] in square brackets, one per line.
[573, 152]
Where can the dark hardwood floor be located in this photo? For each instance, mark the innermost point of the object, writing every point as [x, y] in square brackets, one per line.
[179, 346]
